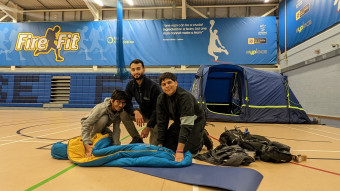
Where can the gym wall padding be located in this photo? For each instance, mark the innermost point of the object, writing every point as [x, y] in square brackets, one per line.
[86, 89]
[25, 90]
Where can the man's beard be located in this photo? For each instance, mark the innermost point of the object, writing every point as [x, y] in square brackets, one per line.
[140, 77]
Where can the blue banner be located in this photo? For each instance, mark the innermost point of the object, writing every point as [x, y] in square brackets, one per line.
[305, 19]
[119, 42]
[157, 42]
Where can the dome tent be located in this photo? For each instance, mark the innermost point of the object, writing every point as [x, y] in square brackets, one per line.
[242, 94]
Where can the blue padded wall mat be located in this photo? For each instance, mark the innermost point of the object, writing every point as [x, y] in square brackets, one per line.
[230, 178]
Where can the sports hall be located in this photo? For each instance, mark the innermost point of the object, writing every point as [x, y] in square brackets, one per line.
[279, 58]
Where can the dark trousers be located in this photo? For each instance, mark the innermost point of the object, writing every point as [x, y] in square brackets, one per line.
[195, 139]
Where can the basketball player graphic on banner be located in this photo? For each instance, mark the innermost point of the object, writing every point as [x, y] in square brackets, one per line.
[212, 47]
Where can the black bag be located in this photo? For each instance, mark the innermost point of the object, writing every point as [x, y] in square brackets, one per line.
[231, 137]
[276, 152]
[225, 155]
[266, 150]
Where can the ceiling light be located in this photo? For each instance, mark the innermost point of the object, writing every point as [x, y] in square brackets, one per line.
[99, 2]
[266, 1]
[130, 2]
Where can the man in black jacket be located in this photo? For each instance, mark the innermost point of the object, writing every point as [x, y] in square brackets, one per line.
[187, 131]
[145, 91]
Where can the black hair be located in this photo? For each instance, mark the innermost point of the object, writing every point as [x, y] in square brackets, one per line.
[119, 95]
[137, 61]
[167, 75]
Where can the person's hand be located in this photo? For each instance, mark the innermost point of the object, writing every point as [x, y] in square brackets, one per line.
[145, 132]
[160, 145]
[179, 157]
[88, 150]
[139, 118]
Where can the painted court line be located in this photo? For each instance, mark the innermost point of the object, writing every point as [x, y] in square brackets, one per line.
[10, 123]
[29, 141]
[213, 138]
[35, 131]
[39, 136]
[318, 169]
[51, 178]
[63, 171]
[310, 128]
[306, 140]
[313, 133]
[315, 129]
[194, 187]
[324, 151]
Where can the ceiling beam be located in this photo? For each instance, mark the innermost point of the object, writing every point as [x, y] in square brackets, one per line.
[4, 17]
[70, 4]
[162, 7]
[42, 4]
[270, 11]
[93, 9]
[147, 8]
[52, 10]
[196, 11]
[184, 9]
[11, 12]
[243, 5]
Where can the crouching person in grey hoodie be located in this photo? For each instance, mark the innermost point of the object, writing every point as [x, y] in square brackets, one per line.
[101, 117]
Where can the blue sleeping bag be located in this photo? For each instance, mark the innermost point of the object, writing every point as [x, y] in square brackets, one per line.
[103, 154]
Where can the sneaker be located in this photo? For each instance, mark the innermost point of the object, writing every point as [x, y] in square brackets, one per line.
[207, 140]
[136, 140]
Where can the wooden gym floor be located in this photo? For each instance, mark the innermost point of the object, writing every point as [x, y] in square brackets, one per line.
[26, 163]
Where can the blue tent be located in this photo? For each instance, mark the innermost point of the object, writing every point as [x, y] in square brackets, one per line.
[243, 94]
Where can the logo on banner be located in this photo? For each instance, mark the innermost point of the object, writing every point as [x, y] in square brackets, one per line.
[257, 40]
[302, 12]
[263, 30]
[298, 4]
[303, 26]
[53, 40]
[337, 2]
[253, 52]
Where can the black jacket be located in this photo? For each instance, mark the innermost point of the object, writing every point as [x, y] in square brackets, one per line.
[182, 107]
[146, 97]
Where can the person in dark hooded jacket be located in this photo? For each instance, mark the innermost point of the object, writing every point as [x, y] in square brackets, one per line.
[187, 131]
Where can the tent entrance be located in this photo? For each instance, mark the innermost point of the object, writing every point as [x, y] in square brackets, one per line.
[223, 92]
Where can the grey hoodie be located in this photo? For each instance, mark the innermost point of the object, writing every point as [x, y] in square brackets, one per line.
[88, 121]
